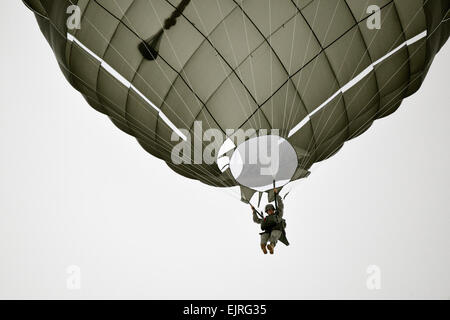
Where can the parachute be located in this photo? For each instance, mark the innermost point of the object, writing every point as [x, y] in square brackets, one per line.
[184, 76]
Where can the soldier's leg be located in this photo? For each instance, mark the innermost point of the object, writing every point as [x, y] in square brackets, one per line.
[274, 236]
[264, 239]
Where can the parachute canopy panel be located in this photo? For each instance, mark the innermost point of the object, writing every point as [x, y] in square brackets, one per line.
[319, 72]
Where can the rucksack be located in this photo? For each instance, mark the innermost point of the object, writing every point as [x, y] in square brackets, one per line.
[270, 222]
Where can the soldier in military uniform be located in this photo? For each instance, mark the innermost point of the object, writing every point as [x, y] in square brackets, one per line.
[273, 225]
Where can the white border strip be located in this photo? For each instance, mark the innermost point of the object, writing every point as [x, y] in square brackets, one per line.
[127, 84]
[355, 80]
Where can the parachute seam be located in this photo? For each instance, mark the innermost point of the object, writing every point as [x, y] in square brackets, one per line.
[407, 47]
[107, 48]
[289, 80]
[98, 98]
[186, 82]
[368, 53]
[310, 115]
[250, 54]
[419, 74]
[364, 74]
[233, 71]
[150, 103]
[120, 21]
[331, 68]
[312, 59]
[205, 39]
[129, 124]
[118, 77]
[304, 7]
[427, 56]
[128, 96]
[274, 53]
[162, 58]
[205, 176]
[416, 75]
[69, 46]
[293, 84]
[256, 48]
[89, 88]
[373, 120]
[34, 11]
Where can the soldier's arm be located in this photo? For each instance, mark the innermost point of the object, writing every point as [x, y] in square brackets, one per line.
[280, 205]
[256, 219]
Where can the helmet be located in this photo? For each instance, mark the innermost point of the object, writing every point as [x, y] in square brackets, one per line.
[269, 206]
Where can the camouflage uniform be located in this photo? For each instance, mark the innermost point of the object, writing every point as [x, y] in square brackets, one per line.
[278, 232]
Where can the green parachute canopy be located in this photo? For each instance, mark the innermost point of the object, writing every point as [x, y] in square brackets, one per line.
[169, 71]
